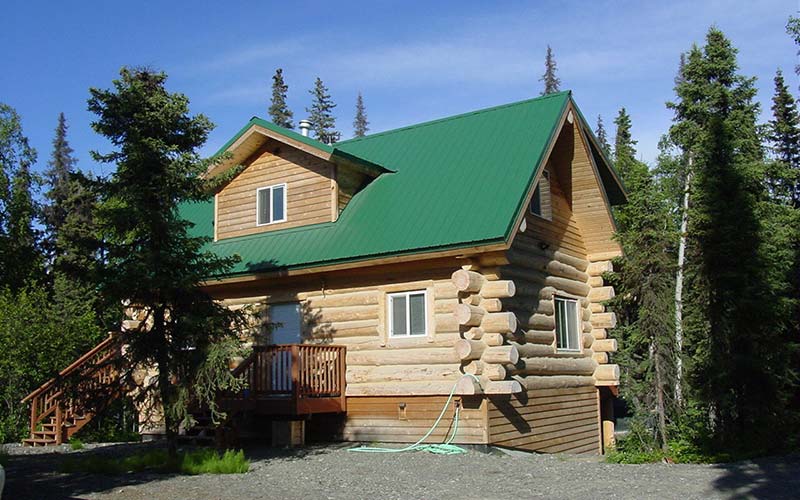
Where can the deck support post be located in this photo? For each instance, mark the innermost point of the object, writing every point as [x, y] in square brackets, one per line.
[289, 433]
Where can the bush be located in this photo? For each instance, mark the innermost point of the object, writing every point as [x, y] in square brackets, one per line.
[39, 336]
[76, 444]
[202, 461]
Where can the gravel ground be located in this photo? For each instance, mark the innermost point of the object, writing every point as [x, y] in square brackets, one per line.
[331, 472]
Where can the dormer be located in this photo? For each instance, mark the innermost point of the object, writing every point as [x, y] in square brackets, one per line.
[286, 180]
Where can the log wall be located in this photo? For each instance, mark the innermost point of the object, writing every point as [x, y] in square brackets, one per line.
[308, 193]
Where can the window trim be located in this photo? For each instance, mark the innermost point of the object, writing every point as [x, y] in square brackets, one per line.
[258, 204]
[390, 314]
[578, 322]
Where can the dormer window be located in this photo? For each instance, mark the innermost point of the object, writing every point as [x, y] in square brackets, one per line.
[271, 204]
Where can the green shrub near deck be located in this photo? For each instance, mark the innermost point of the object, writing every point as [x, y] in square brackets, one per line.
[202, 461]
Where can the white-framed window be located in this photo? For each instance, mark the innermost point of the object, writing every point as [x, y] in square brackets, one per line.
[408, 316]
[568, 332]
[540, 201]
[271, 204]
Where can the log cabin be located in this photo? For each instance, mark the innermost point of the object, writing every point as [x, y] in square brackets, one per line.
[459, 256]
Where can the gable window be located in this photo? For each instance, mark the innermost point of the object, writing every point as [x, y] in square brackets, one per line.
[540, 201]
[271, 204]
[568, 336]
[407, 314]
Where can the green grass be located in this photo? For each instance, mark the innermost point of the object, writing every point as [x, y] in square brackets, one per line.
[76, 444]
[203, 461]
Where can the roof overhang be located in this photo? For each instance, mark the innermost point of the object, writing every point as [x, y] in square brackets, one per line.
[258, 132]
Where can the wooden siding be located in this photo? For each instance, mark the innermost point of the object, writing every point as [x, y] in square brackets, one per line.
[350, 309]
[308, 192]
[588, 203]
[384, 419]
[562, 232]
[547, 421]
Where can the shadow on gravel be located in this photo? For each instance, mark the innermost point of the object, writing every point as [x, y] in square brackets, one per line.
[774, 477]
[37, 476]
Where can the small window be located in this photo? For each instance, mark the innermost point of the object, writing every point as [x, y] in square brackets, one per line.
[271, 204]
[540, 201]
[567, 332]
[407, 315]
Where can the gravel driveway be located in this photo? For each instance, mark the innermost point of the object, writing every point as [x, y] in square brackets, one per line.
[331, 472]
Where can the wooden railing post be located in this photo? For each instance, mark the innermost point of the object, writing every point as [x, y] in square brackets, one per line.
[34, 415]
[343, 376]
[59, 437]
[295, 350]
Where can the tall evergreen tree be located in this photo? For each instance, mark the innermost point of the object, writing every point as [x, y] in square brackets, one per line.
[323, 123]
[644, 283]
[552, 83]
[154, 263]
[278, 109]
[19, 256]
[25, 263]
[739, 369]
[624, 145]
[793, 29]
[602, 136]
[784, 135]
[360, 123]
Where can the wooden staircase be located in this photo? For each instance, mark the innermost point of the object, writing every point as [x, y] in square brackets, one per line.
[59, 410]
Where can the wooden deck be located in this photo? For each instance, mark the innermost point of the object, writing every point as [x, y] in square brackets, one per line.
[291, 380]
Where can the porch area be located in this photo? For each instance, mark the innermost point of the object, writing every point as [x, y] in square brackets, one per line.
[291, 381]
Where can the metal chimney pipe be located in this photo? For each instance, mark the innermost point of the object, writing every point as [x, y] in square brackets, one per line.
[304, 126]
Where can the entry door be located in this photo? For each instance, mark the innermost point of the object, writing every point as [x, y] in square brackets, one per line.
[286, 323]
[285, 330]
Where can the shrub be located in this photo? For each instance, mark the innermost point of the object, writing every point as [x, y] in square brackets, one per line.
[202, 461]
[76, 444]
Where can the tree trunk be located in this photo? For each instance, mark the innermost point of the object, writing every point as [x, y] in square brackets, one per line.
[661, 410]
[165, 388]
[679, 288]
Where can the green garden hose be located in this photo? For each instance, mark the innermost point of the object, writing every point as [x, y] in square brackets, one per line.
[445, 448]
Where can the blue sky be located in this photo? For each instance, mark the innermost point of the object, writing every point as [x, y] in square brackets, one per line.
[413, 61]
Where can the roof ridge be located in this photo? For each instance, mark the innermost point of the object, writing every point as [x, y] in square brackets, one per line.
[453, 117]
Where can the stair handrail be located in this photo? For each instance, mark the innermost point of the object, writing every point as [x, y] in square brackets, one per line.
[76, 364]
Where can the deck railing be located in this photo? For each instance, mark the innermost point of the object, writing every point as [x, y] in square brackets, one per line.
[301, 371]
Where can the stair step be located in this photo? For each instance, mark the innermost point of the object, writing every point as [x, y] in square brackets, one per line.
[38, 442]
[44, 433]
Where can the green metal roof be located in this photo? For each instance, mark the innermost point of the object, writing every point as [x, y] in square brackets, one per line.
[457, 182]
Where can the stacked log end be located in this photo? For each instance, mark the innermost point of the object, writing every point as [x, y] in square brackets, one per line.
[602, 321]
[483, 350]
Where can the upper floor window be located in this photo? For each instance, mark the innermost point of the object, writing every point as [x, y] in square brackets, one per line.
[407, 315]
[271, 204]
[540, 202]
[568, 333]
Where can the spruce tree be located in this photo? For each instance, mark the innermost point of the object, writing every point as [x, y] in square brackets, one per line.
[624, 145]
[279, 111]
[552, 84]
[323, 123]
[360, 123]
[644, 283]
[738, 371]
[602, 136]
[25, 261]
[784, 135]
[793, 29]
[153, 262]
[20, 259]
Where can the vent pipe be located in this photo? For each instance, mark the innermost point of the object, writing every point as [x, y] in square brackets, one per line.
[304, 126]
